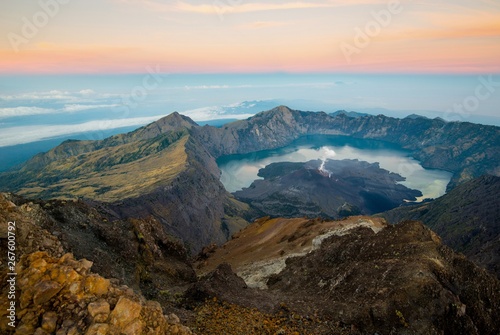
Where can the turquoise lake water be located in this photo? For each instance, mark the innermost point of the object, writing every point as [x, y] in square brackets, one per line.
[239, 171]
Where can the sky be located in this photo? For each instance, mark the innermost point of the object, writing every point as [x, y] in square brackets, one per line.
[248, 36]
[91, 68]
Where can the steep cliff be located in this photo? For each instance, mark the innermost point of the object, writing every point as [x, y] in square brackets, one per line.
[468, 150]
[159, 170]
[467, 218]
[357, 274]
[136, 251]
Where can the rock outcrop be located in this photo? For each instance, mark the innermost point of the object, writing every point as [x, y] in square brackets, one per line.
[138, 252]
[61, 296]
[399, 280]
[363, 276]
[467, 219]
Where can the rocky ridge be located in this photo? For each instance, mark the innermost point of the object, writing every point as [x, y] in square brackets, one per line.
[390, 280]
[467, 219]
[137, 252]
[159, 170]
[466, 149]
[61, 296]
[352, 276]
[167, 169]
[261, 249]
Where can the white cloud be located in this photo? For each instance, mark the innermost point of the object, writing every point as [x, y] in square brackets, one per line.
[78, 108]
[50, 95]
[231, 7]
[62, 96]
[31, 110]
[27, 134]
[216, 113]
[245, 7]
[87, 92]
[25, 111]
[220, 87]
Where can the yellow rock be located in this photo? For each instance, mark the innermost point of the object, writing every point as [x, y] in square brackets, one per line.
[39, 264]
[98, 329]
[97, 285]
[49, 322]
[135, 327]
[44, 291]
[64, 274]
[125, 312]
[99, 310]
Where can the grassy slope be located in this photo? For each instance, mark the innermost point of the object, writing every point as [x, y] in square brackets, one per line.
[113, 173]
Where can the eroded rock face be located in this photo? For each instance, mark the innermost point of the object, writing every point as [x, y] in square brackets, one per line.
[466, 219]
[401, 278]
[136, 251]
[80, 302]
[357, 275]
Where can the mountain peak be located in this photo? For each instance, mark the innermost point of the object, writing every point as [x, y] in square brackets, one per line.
[174, 121]
[281, 109]
[171, 122]
[282, 112]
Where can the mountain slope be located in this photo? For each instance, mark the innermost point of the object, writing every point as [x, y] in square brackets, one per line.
[468, 150]
[159, 170]
[358, 272]
[136, 251]
[354, 276]
[168, 168]
[467, 218]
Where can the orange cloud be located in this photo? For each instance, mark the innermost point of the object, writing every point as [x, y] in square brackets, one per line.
[264, 24]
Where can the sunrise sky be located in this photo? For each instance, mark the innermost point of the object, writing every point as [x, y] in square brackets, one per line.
[127, 36]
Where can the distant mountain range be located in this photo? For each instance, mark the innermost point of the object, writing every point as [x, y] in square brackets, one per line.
[136, 206]
[167, 169]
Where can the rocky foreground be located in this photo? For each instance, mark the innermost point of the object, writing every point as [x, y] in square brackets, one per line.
[357, 273]
[277, 276]
[61, 296]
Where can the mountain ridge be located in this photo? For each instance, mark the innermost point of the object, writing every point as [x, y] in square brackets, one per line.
[161, 168]
[467, 150]
[466, 218]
